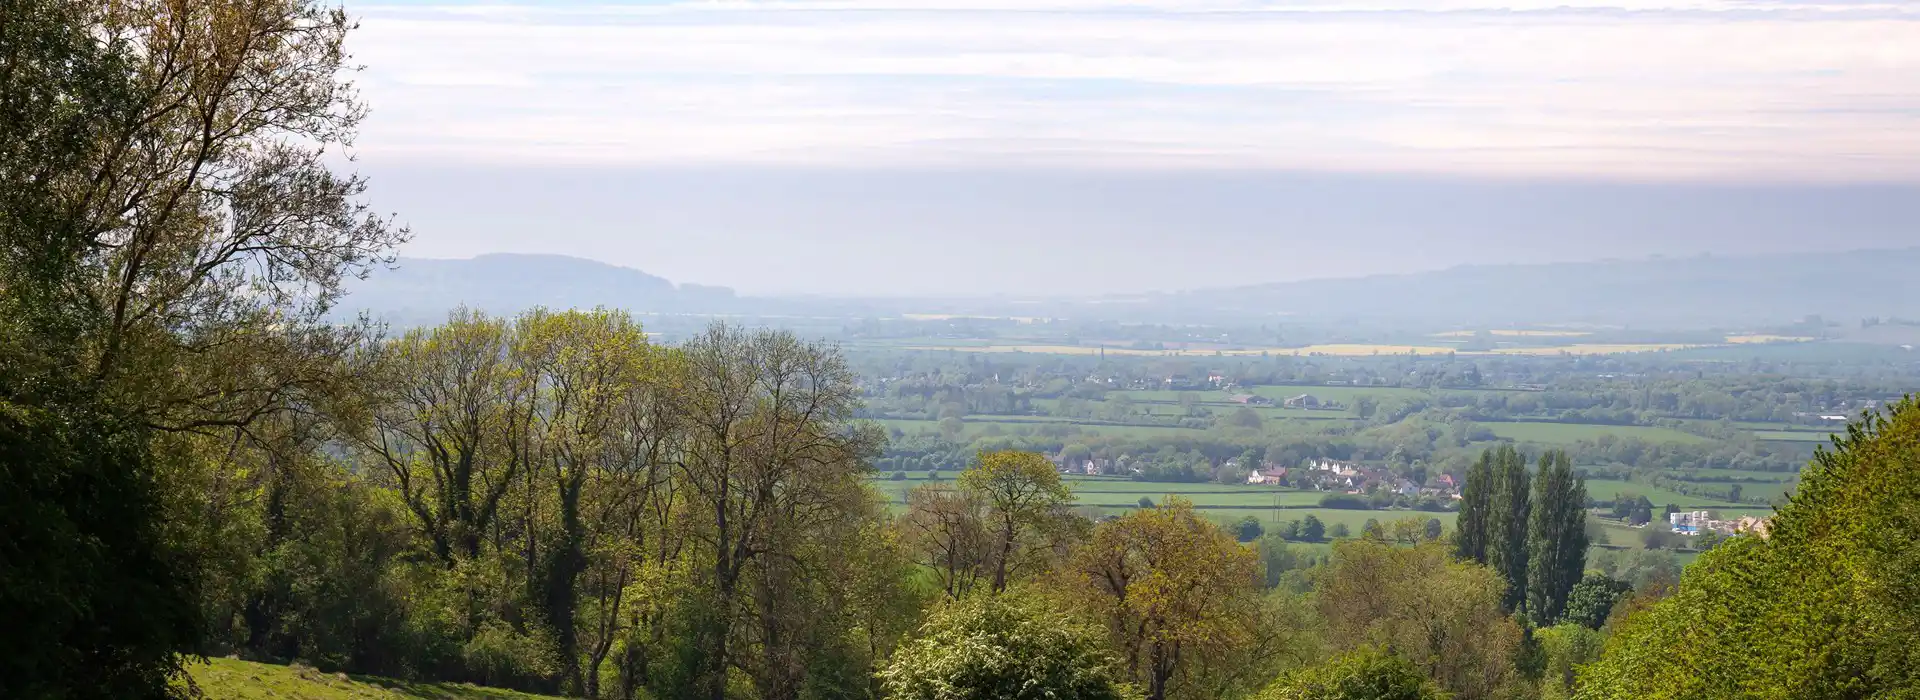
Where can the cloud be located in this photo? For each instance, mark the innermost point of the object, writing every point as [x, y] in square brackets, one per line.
[1691, 89]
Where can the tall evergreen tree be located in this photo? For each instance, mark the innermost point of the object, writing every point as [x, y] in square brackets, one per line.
[1470, 530]
[1556, 538]
[1507, 525]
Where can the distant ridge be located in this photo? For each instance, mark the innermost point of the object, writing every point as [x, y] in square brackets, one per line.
[506, 283]
[1680, 292]
[1704, 289]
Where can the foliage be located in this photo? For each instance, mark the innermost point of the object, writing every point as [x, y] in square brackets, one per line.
[1248, 529]
[1171, 588]
[1556, 538]
[1508, 515]
[1593, 598]
[1822, 608]
[1022, 493]
[1366, 674]
[1011, 647]
[1471, 529]
[1418, 602]
[1565, 648]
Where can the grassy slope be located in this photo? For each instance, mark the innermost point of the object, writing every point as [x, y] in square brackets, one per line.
[225, 679]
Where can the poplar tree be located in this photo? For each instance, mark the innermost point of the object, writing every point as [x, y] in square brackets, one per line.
[1470, 530]
[1507, 525]
[1556, 538]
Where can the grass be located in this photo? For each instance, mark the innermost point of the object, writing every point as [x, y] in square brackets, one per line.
[1343, 394]
[1223, 503]
[1565, 433]
[230, 679]
[1015, 425]
[1793, 435]
[1609, 489]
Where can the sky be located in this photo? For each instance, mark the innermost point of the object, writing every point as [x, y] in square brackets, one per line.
[922, 147]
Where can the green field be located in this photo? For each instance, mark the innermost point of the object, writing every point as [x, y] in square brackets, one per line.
[229, 679]
[1793, 435]
[1608, 489]
[1565, 433]
[1220, 502]
[1017, 425]
[1343, 394]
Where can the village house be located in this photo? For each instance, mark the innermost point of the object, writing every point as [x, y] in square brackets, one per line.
[1267, 476]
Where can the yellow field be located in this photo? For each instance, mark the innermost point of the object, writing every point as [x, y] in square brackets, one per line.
[1509, 333]
[1595, 349]
[1362, 349]
[1744, 339]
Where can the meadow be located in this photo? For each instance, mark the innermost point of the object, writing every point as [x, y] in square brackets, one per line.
[232, 679]
[1610, 489]
[1562, 433]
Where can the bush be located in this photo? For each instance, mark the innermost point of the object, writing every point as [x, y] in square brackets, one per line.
[1339, 531]
[1006, 646]
[899, 476]
[1248, 529]
[499, 656]
[1368, 674]
[1345, 501]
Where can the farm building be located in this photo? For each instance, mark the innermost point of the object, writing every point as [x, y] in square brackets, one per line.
[1303, 401]
[1251, 399]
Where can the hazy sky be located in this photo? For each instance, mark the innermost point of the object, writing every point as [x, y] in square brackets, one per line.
[1019, 146]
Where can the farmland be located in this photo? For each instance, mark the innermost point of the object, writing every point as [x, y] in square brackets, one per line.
[1221, 502]
[1562, 433]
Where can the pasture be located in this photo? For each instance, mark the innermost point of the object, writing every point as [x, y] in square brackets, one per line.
[1610, 489]
[1567, 433]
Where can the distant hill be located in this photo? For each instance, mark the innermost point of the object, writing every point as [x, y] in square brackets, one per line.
[1844, 286]
[1678, 292]
[503, 283]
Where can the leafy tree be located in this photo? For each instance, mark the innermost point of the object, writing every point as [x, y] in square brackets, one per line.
[1592, 600]
[1367, 674]
[1144, 502]
[1022, 492]
[1508, 517]
[1419, 602]
[1820, 608]
[770, 463]
[945, 529]
[1008, 646]
[1557, 538]
[1433, 529]
[1291, 530]
[171, 239]
[1312, 530]
[1244, 417]
[1473, 527]
[1372, 530]
[1248, 529]
[1340, 531]
[1171, 587]
[1563, 650]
